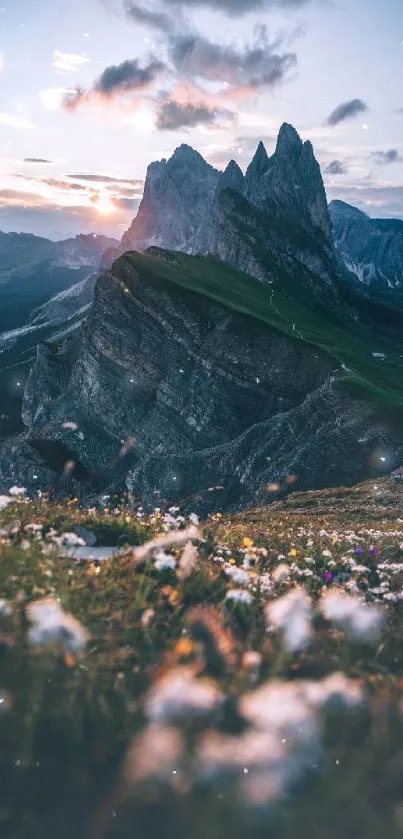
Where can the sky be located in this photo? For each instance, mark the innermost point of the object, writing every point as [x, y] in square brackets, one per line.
[92, 91]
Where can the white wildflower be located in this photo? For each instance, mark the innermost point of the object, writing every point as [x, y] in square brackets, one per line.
[239, 595]
[291, 613]
[355, 617]
[178, 695]
[51, 624]
[5, 608]
[70, 426]
[237, 575]
[15, 491]
[4, 501]
[188, 562]
[163, 562]
[327, 553]
[281, 574]
[167, 540]
[194, 519]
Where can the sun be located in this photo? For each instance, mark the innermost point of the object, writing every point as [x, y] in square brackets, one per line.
[105, 206]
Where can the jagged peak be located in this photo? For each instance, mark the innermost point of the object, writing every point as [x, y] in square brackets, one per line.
[232, 167]
[187, 154]
[288, 139]
[259, 163]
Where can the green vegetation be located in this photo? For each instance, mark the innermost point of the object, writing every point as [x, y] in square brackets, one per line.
[68, 717]
[285, 306]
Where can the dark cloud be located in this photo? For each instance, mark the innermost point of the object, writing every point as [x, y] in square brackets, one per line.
[117, 79]
[156, 19]
[384, 157]
[346, 110]
[335, 167]
[258, 65]
[172, 115]
[126, 77]
[240, 7]
[36, 160]
[105, 179]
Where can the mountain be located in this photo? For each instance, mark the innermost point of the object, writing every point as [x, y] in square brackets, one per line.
[188, 375]
[226, 351]
[275, 215]
[33, 269]
[371, 250]
[52, 315]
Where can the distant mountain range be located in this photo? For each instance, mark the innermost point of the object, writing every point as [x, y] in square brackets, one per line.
[371, 250]
[236, 351]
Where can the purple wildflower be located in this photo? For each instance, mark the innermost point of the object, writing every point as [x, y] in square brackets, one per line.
[373, 550]
[358, 550]
[328, 576]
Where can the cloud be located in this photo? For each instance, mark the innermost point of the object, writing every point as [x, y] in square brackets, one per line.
[335, 167]
[127, 76]
[116, 80]
[173, 115]
[14, 121]
[68, 62]
[385, 157]
[346, 110]
[157, 19]
[105, 179]
[36, 160]
[240, 7]
[255, 66]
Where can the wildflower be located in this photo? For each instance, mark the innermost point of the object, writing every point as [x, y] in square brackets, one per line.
[239, 595]
[373, 550]
[178, 696]
[5, 608]
[281, 574]
[356, 618]
[328, 576]
[194, 519]
[4, 501]
[238, 575]
[52, 624]
[358, 550]
[291, 613]
[293, 552]
[163, 562]
[155, 753]
[188, 562]
[16, 491]
[327, 553]
[247, 542]
[167, 540]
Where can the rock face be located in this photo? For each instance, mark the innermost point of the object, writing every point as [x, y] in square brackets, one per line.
[371, 250]
[280, 204]
[177, 194]
[213, 399]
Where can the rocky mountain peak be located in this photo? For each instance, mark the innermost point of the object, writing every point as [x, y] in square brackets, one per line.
[231, 178]
[259, 163]
[288, 140]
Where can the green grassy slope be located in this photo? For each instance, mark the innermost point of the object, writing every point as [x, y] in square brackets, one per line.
[285, 306]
